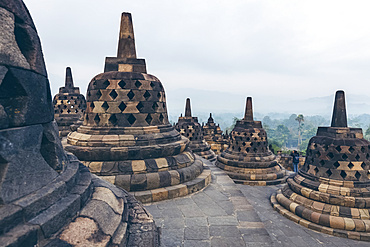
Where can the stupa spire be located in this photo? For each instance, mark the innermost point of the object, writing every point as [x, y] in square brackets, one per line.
[248, 116]
[187, 108]
[339, 118]
[126, 40]
[69, 79]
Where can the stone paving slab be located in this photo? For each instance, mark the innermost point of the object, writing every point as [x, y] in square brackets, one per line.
[226, 214]
[219, 215]
[283, 231]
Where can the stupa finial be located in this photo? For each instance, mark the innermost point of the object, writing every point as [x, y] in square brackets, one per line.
[69, 79]
[339, 118]
[126, 40]
[187, 108]
[248, 116]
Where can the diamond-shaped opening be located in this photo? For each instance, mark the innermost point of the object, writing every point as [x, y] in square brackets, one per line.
[322, 163]
[122, 84]
[106, 83]
[239, 149]
[252, 144]
[147, 95]
[113, 94]
[330, 155]
[131, 119]
[363, 165]
[344, 156]
[159, 95]
[92, 105]
[363, 149]
[155, 106]
[122, 106]
[243, 143]
[113, 119]
[161, 118]
[138, 84]
[318, 154]
[329, 172]
[350, 165]
[148, 119]
[130, 95]
[351, 149]
[247, 149]
[357, 157]
[99, 94]
[367, 156]
[255, 150]
[97, 119]
[248, 139]
[336, 164]
[338, 148]
[316, 170]
[152, 84]
[343, 174]
[69, 111]
[105, 106]
[357, 175]
[140, 106]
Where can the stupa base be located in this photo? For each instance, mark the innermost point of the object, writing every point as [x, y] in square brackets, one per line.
[171, 192]
[352, 228]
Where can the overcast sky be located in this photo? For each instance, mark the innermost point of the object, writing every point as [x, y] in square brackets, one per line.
[280, 50]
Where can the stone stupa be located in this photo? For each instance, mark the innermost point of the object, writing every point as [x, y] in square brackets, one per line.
[331, 192]
[189, 127]
[47, 197]
[248, 159]
[69, 105]
[212, 134]
[126, 137]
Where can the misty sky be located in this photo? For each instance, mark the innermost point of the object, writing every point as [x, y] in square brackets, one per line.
[275, 51]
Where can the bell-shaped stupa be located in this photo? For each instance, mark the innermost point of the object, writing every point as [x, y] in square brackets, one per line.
[47, 197]
[69, 105]
[212, 134]
[248, 159]
[189, 127]
[331, 192]
[126, 137]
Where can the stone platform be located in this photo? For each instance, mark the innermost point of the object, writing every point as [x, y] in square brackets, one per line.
[226, 214]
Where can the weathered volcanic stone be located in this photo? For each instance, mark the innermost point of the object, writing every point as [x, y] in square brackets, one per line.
[43, 190]
[69, 105]
[126, 137]
[331, 193]
[212, 134]
[189, 127]
[248, 159]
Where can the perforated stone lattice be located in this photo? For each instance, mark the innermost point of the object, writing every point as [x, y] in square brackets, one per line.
[134, 102]
[338, 161]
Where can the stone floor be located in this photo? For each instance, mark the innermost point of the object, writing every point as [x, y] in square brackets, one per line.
[226, 214]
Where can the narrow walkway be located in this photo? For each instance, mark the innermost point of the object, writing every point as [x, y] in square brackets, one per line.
[225, 214]
[219, 215]
[285, 232]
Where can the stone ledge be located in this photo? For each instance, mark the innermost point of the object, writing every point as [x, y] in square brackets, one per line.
[175, 191]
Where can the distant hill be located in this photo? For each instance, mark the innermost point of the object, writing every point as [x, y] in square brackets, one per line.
[226, 106]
